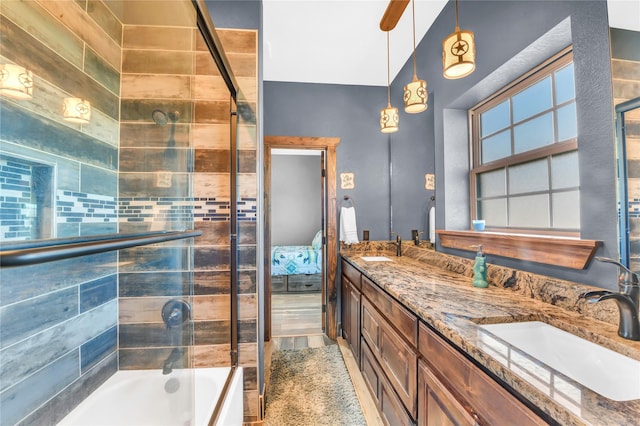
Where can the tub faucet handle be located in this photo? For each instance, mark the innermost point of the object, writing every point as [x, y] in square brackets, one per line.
[175, 313]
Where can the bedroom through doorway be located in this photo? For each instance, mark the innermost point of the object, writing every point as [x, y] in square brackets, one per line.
[296, 234]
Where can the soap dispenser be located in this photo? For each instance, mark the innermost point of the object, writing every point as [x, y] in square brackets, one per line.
[480, 269]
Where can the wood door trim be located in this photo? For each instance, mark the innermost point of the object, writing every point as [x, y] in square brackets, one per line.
[329, 144]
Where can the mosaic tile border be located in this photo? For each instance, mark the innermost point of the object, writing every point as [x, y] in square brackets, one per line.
[17, 211]
[82, 207]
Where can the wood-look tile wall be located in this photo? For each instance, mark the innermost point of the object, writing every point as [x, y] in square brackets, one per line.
[81, 48]
[59, 320]
[625, 72]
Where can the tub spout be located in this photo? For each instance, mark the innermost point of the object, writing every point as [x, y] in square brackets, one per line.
[175, 355]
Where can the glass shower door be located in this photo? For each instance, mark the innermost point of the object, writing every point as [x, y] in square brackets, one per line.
[153, 155]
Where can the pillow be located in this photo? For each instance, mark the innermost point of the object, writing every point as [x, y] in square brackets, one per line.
[316, 243]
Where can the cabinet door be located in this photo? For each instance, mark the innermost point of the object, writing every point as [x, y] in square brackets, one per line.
[345, 290]
[391, 408]
[353, 300]
[436, 405]
[351, 316]
[489, 400]
[396, 357]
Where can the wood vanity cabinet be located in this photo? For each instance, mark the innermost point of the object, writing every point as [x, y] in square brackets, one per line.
[351, 308]
[451, 384]
[415, 375]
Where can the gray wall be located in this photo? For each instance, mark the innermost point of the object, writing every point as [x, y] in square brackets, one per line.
[295, 199]
[435, 141]
[350, 113]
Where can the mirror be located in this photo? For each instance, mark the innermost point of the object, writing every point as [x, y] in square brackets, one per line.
[627, 138]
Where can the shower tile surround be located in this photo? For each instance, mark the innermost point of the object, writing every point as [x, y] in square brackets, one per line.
[73, 332]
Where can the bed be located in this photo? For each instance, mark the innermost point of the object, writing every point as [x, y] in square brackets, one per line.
[297, 268]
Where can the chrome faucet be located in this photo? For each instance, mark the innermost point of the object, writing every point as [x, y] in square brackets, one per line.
[175, 355]
[627, 299]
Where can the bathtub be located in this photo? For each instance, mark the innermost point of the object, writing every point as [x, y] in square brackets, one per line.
[147, 397]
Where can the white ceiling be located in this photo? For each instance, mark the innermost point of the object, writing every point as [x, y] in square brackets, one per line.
[340, 41]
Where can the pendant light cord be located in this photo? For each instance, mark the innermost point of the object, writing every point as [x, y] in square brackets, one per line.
[457, 27]
[413, 14]
[388, 75]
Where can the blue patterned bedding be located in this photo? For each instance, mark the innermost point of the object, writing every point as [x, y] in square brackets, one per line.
[292, 260]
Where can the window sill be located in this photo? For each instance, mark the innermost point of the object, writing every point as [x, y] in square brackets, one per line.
[559, 251]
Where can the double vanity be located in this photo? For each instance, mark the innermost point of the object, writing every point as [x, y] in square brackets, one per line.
[435, 350]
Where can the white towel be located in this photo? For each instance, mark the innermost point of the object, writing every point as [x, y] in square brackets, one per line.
[348, 228]
[432, 225]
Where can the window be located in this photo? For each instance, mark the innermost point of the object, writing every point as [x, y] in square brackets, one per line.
[524, 175]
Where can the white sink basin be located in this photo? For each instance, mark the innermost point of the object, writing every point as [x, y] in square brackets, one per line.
[602, 370]
[375, 259]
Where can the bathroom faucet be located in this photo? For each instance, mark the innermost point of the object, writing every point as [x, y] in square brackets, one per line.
[175, 355]
[398, 244]
[627, 299]
[415, 236]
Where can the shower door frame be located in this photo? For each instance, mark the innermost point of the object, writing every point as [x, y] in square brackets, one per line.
[623, 182]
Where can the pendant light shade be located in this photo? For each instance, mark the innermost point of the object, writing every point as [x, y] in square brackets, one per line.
[415, 93]
[388, 116]
[458, 53]
[16, 82]
[76, 110]
[389, 119]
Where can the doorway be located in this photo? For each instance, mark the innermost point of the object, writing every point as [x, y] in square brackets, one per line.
[297, 264]
[326, 147]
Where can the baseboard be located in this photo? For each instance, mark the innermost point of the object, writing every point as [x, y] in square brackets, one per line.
[369, 409]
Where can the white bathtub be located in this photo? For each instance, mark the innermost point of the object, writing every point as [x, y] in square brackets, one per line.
[147, 397]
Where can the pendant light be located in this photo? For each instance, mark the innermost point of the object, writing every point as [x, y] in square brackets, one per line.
[389, 115]
[16, 82]
[415, 93]
[76, 110]
[458, 53]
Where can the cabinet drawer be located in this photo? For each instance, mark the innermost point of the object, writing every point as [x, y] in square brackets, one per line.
[392, 410]
[351, 273]
[304, 282]
[369, 324]
[396, 357]
[403, 320]
[491, 403]
[278, 283]
[369, 371]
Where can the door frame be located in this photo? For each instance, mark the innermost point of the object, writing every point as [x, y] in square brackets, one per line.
[330, 291]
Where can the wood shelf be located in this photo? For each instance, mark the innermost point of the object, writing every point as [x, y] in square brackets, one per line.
[559, 251]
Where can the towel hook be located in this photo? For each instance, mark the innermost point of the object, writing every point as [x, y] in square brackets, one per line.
[346, 199]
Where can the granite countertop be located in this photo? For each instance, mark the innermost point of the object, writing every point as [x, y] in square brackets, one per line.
[438, 289]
